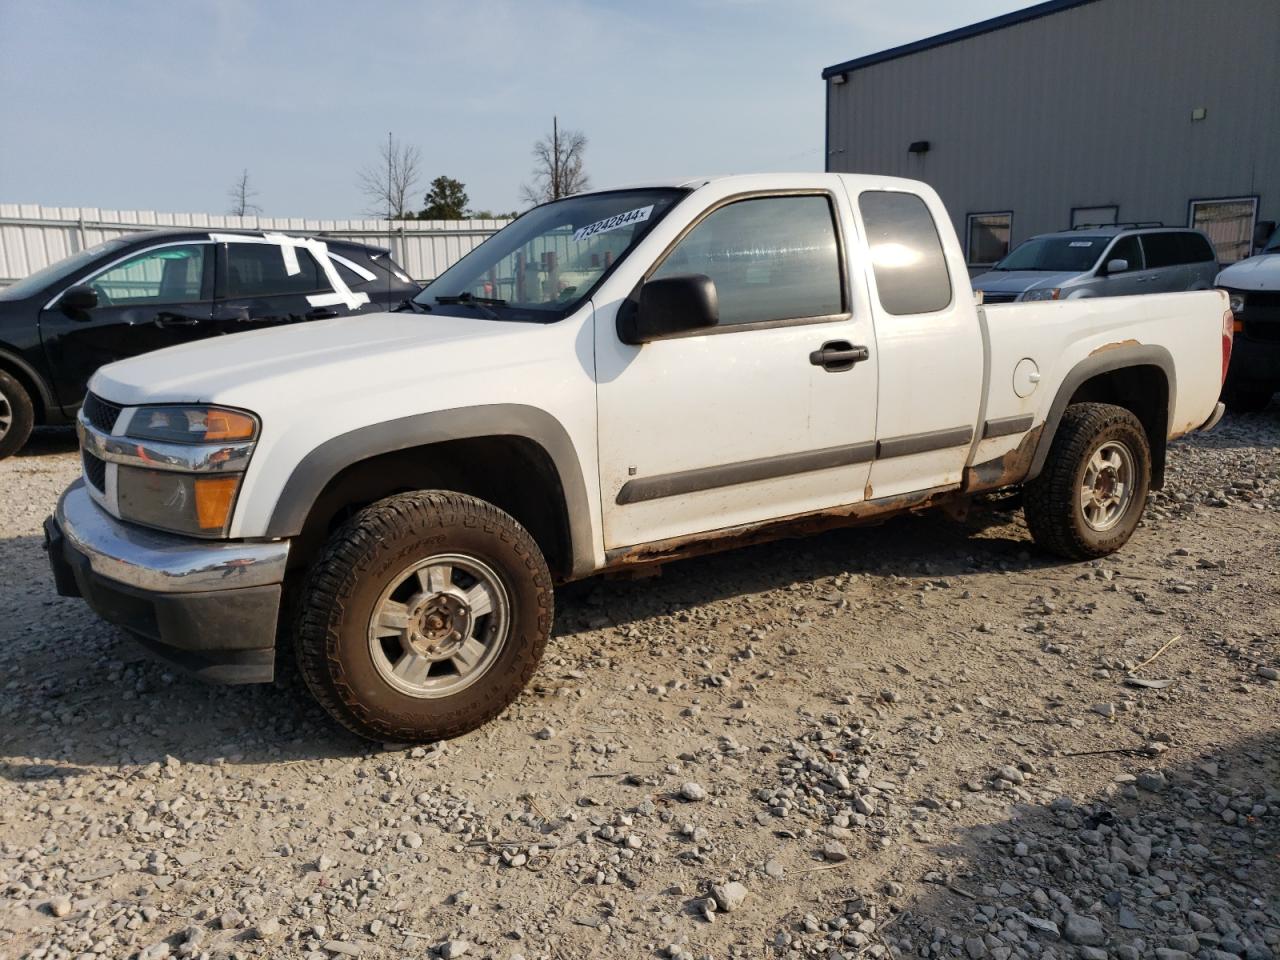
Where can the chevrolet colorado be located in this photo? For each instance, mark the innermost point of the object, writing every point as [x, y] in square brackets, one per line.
[615, 379]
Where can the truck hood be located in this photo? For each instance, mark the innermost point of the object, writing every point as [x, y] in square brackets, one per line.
[1016, 281]
[364, 352]
[1256, 273]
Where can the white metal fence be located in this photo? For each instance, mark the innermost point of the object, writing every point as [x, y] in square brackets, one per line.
[32, 237]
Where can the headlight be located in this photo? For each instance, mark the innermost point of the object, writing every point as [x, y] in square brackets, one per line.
[1042, 293]
[192, 424]
[1237, 303]
[177, 467]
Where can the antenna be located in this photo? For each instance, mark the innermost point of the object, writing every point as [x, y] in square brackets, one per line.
[390, 249]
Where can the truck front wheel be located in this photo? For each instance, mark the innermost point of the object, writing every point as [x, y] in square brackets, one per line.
[424, 618]
[1089, 497]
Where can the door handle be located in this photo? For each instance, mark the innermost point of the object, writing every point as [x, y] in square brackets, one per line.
[175, 320]
[320, 313]
[836, 356]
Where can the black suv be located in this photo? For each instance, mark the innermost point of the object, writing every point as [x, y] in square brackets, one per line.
[159, 288]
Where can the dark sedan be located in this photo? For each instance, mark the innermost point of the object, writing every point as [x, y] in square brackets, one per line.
[156, 289]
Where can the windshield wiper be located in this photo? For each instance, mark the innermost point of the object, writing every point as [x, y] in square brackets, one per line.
[413, 305]
[480, 303]
[471, 298]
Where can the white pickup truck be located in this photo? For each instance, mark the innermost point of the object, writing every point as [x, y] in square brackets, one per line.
[615, 379]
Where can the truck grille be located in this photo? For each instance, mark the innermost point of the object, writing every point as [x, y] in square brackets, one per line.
[100, 413]
[95, 471]
[988, 297]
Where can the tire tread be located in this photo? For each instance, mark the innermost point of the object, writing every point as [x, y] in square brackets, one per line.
[1049, 501]
[347, 556]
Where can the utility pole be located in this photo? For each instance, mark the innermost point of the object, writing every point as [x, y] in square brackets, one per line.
[555, 158]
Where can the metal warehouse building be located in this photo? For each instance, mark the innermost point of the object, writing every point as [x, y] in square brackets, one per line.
[1078, 112]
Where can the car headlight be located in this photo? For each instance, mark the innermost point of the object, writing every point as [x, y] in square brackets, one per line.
[192, 423]
[176, 467]
[1042, 293]
[1237, 303]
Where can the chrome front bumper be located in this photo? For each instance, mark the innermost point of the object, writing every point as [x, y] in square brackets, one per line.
[211, 607]
[163, 562]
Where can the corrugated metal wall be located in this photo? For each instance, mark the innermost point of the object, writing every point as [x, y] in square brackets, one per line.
[1087, 107]
[32, 237]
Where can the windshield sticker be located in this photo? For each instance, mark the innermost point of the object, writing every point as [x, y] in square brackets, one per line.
[617, 222]
[1081, 243]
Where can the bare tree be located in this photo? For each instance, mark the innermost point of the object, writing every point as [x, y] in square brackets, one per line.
[558, 166]
[242, 196]
[389, 184]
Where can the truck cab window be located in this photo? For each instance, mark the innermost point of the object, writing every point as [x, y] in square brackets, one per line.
[772, 258]
[906, 252]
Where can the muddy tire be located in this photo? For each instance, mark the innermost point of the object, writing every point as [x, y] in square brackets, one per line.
[424, 618]
[17, 415]
[1089, 497]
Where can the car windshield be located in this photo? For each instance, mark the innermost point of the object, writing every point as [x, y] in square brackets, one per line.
[1273, 245]
[1059, 254]
[61, 270]
[545, 263]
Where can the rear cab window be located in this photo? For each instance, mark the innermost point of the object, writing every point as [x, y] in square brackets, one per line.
[906, 253]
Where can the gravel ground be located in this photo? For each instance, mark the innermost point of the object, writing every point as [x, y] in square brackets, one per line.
[921, 739]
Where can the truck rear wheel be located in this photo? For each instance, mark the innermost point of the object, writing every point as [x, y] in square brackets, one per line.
[1088, 500]
[17, 415]
[424, 618]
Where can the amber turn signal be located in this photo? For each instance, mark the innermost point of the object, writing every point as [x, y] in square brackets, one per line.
[214, 496]
[223, 424]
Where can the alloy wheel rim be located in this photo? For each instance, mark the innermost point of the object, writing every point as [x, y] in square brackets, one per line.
[6, 415]
[439, 625]
[1106, 487]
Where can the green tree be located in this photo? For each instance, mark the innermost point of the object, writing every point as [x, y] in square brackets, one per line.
[447, 200]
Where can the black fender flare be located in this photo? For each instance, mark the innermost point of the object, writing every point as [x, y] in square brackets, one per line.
[1106, 361]
[314, 472]
[52, 409]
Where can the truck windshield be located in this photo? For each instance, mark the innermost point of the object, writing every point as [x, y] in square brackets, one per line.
[545, 263]
[1059, 254]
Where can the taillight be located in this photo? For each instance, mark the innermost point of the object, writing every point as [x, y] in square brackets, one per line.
[1228, 337]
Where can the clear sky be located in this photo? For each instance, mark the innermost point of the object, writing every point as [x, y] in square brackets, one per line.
[159, 104]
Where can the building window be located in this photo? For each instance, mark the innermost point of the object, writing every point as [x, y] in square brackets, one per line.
[988, 235]
[1104, 216]
[1229, 224]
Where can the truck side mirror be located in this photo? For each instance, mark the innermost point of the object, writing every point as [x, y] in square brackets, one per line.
[669, 306]
[80, 297]
[1117, 266]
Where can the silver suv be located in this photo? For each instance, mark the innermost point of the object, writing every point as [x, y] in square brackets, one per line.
[1101, 262]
